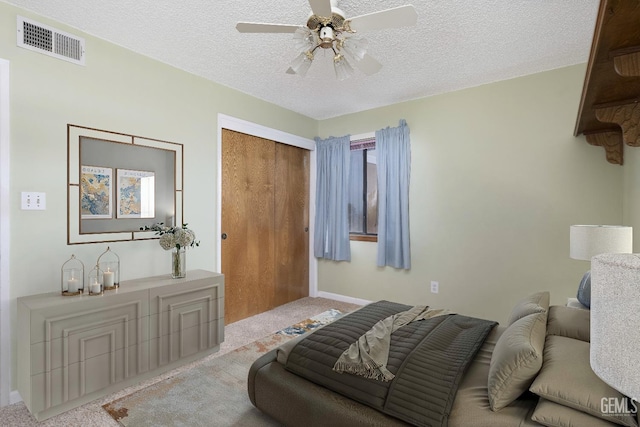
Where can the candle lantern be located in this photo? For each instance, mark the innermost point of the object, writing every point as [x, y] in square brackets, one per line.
[95, 278]
[72, 277]
[109, 264]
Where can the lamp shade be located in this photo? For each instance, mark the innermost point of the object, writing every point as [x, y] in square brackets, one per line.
[615, 316]
[586, 241]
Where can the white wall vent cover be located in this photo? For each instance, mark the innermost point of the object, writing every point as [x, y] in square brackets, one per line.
[44, 39]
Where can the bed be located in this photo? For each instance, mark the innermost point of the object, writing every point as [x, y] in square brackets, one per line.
[532, 371]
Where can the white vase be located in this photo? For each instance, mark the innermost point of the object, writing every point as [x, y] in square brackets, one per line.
[178, 263]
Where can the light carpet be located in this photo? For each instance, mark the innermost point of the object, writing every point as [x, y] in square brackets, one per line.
[211, 394]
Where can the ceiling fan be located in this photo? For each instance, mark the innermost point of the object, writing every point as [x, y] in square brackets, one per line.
[327, 28]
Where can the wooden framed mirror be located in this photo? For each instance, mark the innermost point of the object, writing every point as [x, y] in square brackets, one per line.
[118, 183]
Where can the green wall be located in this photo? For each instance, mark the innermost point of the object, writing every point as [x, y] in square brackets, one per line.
[631, 188]
[497, 178]
[120, 91]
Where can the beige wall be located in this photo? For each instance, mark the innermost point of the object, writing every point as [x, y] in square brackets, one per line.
[632, 192]
[121, 91]
[497, 178]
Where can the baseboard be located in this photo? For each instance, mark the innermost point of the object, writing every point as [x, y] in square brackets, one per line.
[343, 298]
[14, 397]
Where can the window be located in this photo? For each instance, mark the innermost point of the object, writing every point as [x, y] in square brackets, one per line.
[363, 192]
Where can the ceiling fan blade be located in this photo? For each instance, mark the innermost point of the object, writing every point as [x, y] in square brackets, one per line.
[368, 65]
[402, 16]
[321, 7]
[255, 27]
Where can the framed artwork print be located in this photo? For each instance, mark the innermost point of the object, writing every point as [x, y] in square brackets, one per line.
[126, 181]
[135, 194]
[95, 192]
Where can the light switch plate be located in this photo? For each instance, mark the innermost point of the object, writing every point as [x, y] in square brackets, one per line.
[32, 201]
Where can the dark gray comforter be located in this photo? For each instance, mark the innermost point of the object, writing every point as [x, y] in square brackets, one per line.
[427, 357]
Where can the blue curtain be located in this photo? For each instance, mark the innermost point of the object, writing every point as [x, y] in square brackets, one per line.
[331, 238]
[394, 166]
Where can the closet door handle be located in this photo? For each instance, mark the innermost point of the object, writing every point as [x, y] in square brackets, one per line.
[224, 236]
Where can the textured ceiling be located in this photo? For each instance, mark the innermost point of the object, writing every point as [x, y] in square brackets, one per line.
[456, 44]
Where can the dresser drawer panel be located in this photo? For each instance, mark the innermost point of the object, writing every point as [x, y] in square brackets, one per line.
[46, 326]
[65, 384]
[169, 348]
[161, 299]
[87, 342]
[183, 315]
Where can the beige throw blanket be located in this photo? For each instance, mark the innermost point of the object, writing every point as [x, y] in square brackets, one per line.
[368, 356]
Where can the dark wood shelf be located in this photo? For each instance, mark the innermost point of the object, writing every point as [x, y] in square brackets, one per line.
[609, 112]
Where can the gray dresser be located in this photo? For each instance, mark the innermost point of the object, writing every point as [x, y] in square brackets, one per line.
[72, 350]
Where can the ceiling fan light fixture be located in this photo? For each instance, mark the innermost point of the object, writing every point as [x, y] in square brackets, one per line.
[328, 28]
[327, 37]
[354, 48]
[304, 39]
[335, 19]
[301, 64]
[343, 69]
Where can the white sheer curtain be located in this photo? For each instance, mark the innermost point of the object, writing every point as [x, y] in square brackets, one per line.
[394, 169]
[332, 194]
[356, 191]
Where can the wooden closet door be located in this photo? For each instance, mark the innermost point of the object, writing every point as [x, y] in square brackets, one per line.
[265, 221]
[291, 224]
[248, 256]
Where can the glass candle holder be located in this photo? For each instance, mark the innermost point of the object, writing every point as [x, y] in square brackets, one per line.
[72, 277]
[109, 264]
[95, 279]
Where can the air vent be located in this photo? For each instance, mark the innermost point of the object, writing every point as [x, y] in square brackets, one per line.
[44, 39]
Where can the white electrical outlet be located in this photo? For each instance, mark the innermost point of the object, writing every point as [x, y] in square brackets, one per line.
[434, 287]
[32, 201]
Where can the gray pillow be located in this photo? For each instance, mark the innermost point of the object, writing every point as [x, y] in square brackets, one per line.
[516, 359]
[552, 414]
[584, 290]
[569, 322]
[566, 378]
[534, 303]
